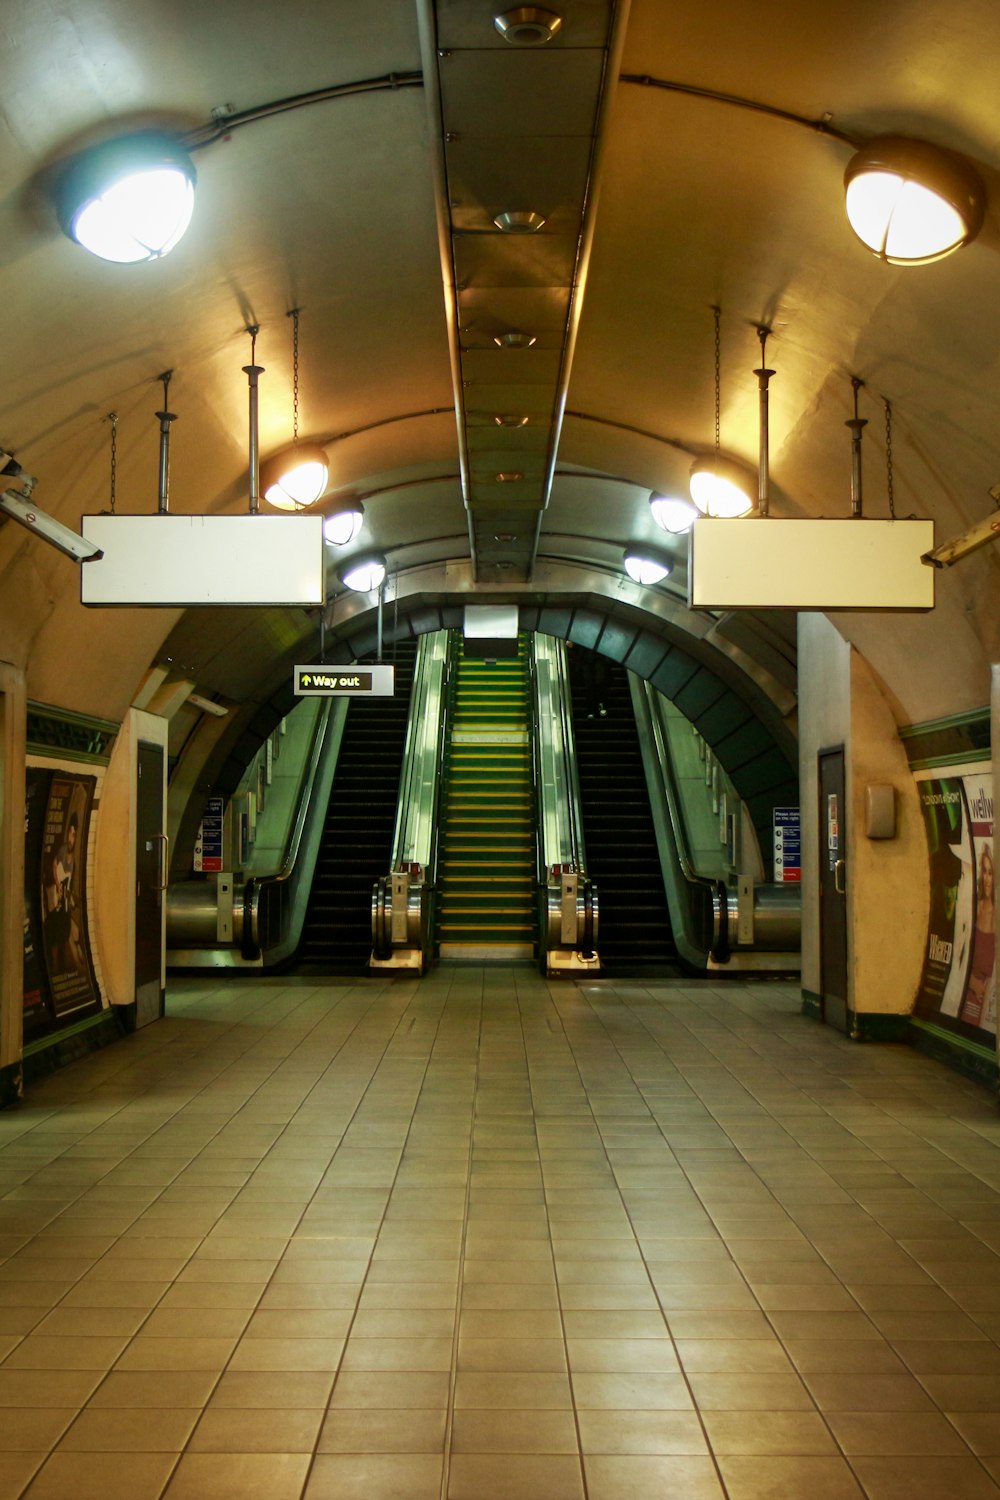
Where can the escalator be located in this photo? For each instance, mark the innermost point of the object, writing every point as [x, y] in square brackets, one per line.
[622, 855]
[357, 834]
[486, 862]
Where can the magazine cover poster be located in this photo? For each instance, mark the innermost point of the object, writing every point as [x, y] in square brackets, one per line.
[958, 986]
[63, 874]
[38, 1012]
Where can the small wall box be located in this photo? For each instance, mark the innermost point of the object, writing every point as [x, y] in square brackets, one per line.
[880, 811]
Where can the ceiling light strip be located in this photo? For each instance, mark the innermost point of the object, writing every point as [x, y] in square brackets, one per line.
[613, 51]
[427, 27]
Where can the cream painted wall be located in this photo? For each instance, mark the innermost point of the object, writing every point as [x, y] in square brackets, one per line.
[842, 702]
[115, 875]
[824, 723]
[887, 878]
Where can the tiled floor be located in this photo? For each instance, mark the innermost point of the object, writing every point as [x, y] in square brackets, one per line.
[486, 1238]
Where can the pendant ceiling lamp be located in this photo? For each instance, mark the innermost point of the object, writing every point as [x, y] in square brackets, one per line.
[363, 573]
[911, 202]
[646, 566]
[342, 525]
[673, 513]
[128, 200]
[720, 486]
[297, 477]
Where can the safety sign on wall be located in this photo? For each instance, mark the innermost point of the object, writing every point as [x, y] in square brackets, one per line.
[787, 845]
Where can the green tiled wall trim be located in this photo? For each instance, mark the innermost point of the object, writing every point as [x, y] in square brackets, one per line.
[52, 1052]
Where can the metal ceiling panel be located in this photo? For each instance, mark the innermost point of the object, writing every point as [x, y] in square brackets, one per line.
[515, 94]
[508, 260]
[491, 310]
[469, 23]
[550, 179]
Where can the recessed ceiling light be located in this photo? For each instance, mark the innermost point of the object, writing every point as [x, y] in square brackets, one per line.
[505, 536]
[509, 476]
[527, 25]
[511, 421]
[519, 221]
[515, 340]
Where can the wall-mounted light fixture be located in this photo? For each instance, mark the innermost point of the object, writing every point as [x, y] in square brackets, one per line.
[342, 525]
[673, 513]
[129, 199]
[363, 573]
[646, 566]
[911, 202]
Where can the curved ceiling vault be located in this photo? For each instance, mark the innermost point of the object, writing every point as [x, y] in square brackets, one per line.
[375, 211]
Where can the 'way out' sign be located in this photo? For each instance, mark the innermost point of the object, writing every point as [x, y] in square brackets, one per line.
[345, 682]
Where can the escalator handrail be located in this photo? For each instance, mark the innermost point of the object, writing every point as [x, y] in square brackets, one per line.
[715, 890]
[571, 840]
[405, 845]
[257, 884]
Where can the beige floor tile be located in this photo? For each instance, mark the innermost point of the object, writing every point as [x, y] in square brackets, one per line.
[286, 1354]
[791, 1433]
[479, 1476]
[766, 1477]
[142, 1430]
[735, 1356]
[497, 1323]
[175, 1354]
[52, 1388]
[903, 1434]
[225, 1429]
[390, 1388]
[16, 1468]
[864, 1392]
[981, 1430]
[728, 1392]
[34, 1429]
[641, 1432]
[486, 1354]
[389, 1323]
[651, 1478]
[388, 1295]
[502, 1431]
[108, 1322]
[593, 1356]
[103, 1476]
[39, 1352]
[396, 1354]
[529, 1391]
[844, 1356]
[598, 1297]
[185, 1388]
[630, 1392]
[925, 1479]
[283, 1389]
[238, 1476]
[374, 1476]
[375, 1430]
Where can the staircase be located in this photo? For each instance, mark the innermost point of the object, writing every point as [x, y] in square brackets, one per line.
[357, 835]
[486, 851]
[622, 857]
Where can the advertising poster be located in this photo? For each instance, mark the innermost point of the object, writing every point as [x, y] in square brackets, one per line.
[38, 1012]
[63, 880]
[958, 988]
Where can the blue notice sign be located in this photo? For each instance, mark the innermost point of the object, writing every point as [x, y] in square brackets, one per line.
[208, 845]
[787, 845]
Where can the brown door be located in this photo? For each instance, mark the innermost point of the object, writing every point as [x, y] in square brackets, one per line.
[833, 889]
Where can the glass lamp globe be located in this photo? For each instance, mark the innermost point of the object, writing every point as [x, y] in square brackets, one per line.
[721, 488]
[910, 202]
[644, 569]
[673, 513]
[363, 574]
[128, 200]
[296, 479]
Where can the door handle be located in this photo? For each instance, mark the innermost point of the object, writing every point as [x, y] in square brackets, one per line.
[840, 877]
[164, 842]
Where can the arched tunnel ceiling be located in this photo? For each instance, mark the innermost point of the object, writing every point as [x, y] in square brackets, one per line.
[336, 207]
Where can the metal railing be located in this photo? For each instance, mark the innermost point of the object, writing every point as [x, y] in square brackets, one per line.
[403, 900]
[272, 911]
